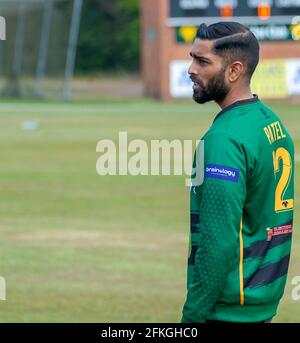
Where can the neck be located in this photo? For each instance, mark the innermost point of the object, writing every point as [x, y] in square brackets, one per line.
[235, 95]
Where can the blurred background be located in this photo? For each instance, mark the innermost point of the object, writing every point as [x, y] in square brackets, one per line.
[79, 247]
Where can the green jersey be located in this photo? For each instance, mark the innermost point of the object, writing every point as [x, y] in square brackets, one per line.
[241, 217]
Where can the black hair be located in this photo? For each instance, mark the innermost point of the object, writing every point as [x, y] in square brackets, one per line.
[234, 42]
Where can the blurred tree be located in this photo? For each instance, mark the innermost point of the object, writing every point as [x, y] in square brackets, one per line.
[109, 38]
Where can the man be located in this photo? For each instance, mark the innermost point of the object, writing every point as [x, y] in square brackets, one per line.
[242, 213]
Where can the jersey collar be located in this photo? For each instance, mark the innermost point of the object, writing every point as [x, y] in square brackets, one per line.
[238, 103]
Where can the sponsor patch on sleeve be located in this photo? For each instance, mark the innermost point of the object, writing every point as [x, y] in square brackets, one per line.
[218, 171]
[279, 230]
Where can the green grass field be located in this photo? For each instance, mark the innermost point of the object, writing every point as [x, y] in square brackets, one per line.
[78, 247]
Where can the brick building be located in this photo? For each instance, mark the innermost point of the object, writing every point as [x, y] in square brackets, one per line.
[160, 48]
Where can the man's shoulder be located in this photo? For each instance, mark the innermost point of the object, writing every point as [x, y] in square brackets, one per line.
[244, 122]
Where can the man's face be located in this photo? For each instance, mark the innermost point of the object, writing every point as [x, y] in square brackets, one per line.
[208, 73]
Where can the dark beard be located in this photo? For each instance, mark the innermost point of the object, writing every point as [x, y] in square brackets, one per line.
[216, 89]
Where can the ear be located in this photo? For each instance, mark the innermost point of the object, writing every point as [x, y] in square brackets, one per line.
[235, 70]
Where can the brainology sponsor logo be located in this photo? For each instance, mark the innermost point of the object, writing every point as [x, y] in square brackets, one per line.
[216, 171]
[221, 171]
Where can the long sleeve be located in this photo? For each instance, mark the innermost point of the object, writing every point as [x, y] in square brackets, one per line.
[215, 233]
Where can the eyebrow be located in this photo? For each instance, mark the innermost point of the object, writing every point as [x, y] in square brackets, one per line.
[199, 57]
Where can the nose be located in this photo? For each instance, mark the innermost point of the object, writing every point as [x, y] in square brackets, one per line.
[192, 69]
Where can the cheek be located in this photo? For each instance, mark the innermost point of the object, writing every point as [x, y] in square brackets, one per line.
[205, 77]
[207, 73]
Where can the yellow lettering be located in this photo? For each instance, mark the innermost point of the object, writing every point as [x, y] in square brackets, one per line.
[280, 128]
[273, 130]
[267, 134]
[271, 134]
[277, 130]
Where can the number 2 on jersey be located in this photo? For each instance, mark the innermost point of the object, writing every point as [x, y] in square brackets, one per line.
[282, 204]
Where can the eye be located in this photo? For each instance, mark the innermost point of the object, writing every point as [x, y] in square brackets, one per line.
[202, 62]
